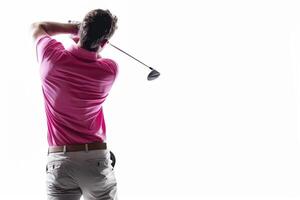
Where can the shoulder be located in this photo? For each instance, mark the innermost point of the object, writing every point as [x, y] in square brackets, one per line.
[112, 64]
[46, 40]
[48, 48]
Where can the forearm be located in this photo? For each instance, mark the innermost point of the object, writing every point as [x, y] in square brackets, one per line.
[53, 28]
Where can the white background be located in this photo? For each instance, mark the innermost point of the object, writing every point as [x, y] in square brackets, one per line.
[220, 123]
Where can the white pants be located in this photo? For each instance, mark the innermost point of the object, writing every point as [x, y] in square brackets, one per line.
[70, 175]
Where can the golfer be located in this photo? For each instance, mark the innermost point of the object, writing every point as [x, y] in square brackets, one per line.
[75, 83]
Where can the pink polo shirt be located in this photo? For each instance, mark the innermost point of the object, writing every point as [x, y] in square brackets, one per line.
[75, 83]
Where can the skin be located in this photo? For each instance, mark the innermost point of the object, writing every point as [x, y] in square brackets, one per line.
[54, 28]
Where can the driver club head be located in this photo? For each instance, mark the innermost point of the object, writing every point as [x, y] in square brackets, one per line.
[153, 75]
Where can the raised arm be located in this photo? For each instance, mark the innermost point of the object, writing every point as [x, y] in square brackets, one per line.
[53, 28]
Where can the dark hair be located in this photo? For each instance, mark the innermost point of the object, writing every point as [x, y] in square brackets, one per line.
[97, 25]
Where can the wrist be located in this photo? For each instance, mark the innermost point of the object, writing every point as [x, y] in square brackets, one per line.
[75, 30]
[76, 25]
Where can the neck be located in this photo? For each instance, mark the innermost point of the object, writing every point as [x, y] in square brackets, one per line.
[96, 50]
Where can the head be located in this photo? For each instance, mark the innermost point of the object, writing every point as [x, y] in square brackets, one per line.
[96, 29]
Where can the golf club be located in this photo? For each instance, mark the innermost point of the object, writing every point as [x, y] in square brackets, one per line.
[152, 75]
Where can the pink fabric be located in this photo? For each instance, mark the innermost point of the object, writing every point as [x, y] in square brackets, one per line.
[75, 83]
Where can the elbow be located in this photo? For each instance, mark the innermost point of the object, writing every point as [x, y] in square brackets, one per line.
[37, 25]
[37, 28]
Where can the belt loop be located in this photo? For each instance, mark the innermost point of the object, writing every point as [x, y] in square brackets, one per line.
[65, 149]
[86, 148]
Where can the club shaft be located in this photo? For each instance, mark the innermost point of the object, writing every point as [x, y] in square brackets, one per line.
[131, 56]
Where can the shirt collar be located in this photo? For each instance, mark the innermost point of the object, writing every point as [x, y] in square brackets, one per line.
[83, 53]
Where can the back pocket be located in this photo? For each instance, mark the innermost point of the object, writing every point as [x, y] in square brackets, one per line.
[54, 166]
[103, 167]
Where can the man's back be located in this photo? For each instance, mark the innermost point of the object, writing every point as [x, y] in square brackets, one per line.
[75, 83]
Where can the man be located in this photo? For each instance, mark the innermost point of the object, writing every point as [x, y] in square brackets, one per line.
[75, 83]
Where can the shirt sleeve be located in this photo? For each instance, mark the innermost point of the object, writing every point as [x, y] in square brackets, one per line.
[48, 49]
[113, 67]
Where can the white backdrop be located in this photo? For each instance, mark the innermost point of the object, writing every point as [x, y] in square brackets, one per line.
[220, 123]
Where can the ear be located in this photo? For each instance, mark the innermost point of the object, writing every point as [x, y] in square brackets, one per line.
[103, 43]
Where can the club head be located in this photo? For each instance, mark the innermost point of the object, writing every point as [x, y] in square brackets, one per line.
[153, 75]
